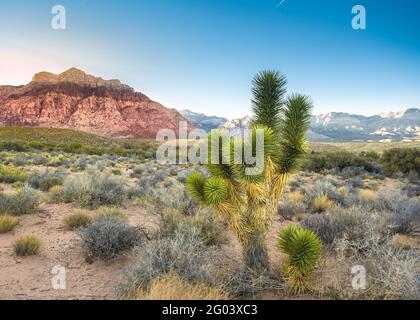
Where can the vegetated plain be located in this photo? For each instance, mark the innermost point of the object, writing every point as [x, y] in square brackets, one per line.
[124, 226]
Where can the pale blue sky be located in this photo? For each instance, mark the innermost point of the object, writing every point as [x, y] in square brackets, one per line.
[202, 54]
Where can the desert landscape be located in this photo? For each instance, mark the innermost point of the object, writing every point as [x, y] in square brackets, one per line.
[125, 226]
[209, 158]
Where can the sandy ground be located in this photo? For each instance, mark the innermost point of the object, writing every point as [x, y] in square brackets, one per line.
[30, 277]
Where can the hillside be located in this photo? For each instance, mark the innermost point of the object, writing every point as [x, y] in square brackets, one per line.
[78, 101]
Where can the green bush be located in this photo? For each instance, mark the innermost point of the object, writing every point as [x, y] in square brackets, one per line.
[45, 181]
[318, 162]
[183, 253]
[93, 189]
[303, 250]
[108, 237]
[207, 228]
[24, 201]
[401, 160]
[11, 175]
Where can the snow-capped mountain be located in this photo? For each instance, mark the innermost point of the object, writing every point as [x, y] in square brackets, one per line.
[340, 126]
[403, 125]
[236, 127]
[202, 121]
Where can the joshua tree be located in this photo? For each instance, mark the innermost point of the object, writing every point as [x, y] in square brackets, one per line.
[249, 202]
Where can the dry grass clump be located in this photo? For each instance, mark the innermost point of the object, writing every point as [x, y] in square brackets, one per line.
[367, 195]
[56, 194]
[321, 203]
[7, 223]
[406, 242]
[295, 197]
[173, 287]
[112, 212]
[27, 245]
[78, 219]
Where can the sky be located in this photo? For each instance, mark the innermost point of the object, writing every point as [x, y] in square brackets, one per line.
[202, 54]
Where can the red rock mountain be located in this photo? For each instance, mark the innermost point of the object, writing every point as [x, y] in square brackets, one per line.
[76, 100]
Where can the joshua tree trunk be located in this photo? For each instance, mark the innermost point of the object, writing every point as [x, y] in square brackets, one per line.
[255, 253]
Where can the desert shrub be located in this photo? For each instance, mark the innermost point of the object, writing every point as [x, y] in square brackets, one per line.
[112, 212]
[184, 254]
[76, 220]
[24, 201]
[318, 162]
[81, 163]
[355, 182]
[7, 223]
[137, 172]
[321, 203]
[361, 198]
[27, 245]
[291, 204]
[367, 195]
[411, 190]
[350, 172]
[55, 162]
[361, 226]
[405, 242]
[108, 237]
[93, 189]
[413, 177]
[21, 160]
[324, 187]
[204, 224]
[303, 250]
[39, 160]
[327, 227]
[56, 194]
[172, 196]
[401, 160]
[173, 287]
[133, 193]
[45, 181]
[11, 175]
[394, 273]
[405, 211]
[116, 172]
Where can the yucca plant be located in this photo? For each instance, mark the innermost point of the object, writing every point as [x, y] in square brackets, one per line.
[303, 250]
[249, 200]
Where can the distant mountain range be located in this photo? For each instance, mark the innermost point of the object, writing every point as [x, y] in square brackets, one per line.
[338, 126]
[76, 100]
[202, 121]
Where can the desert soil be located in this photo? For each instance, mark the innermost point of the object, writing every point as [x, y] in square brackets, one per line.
[30, 277]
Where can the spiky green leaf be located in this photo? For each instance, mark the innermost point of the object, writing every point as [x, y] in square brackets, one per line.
[215, 191]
